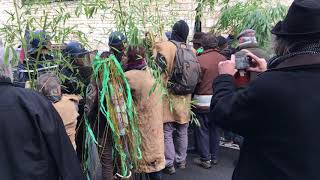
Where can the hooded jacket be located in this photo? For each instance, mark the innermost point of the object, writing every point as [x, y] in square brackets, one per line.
[176, 108]
[180, 31]
[33, 142]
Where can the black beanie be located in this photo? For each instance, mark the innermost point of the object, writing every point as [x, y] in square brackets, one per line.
[180, 31]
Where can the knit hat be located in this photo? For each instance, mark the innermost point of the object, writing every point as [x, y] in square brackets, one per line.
[247, 33]
[248, 36]
[180, 31]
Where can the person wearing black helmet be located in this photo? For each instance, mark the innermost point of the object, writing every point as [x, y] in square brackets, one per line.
[117, 45]
[37, 60]
[101, 130]
[80, 73]
[78, 78]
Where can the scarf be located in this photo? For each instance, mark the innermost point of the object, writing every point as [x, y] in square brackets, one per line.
[135, 65]
[313, 48]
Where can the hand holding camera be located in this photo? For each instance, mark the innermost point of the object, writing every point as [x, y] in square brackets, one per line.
[228, 67]
[243, 61]
[250, 62]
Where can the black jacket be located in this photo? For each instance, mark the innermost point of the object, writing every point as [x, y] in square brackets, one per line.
[278, 116]
[33, 142]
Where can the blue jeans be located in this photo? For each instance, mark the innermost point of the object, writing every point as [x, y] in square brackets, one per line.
[207, 138]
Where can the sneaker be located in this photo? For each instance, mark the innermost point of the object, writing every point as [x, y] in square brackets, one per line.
[201, 163]
[235, 163]
[214, 162]
[182, 165]
[230, 145]
[169, 170]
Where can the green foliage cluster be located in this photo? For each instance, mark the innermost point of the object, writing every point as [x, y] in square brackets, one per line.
[141, 21]
[235, 16]
[133, 17]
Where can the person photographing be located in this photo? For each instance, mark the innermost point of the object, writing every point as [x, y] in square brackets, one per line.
[277, 111]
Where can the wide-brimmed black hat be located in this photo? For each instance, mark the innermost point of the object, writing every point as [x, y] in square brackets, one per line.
[302, 20]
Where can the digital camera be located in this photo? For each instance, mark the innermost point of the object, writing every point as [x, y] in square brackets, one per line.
[242, 61]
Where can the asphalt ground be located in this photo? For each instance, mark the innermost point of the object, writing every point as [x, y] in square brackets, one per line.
[222, 171]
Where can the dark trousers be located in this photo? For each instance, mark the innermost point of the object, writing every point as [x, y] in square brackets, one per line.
[207, 138]
[228, 136]
[155, 176]
[107, 164]
[148, 176]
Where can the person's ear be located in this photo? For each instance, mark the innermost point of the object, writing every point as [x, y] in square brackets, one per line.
[59, 91]
[241, 40]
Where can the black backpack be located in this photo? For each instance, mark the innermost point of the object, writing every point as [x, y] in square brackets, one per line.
[186, 70]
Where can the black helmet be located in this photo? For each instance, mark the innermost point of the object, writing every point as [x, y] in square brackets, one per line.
[116, 38]
[38, 39]
[74, 50]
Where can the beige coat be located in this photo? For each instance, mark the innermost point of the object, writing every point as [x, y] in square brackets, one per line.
[179, 110]
[150, 120]
[67, 108]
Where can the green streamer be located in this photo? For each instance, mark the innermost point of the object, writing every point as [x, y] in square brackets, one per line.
[107, 90]
[88, 129]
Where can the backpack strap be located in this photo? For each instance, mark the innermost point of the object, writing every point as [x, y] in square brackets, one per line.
[178, 44]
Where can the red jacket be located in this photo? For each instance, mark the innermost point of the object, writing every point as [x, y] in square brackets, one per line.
[209, 61]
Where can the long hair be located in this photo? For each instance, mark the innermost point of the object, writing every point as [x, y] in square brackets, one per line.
[135, 53]
[135, 58]
[50, 86]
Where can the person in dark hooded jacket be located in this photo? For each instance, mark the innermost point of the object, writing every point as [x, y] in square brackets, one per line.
[180, 31]
[33, 142]
[277, 112]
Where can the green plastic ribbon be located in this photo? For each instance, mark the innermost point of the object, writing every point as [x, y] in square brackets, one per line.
[106, 91]
[200, 50]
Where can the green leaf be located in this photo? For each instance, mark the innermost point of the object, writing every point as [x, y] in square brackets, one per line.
[6, 55]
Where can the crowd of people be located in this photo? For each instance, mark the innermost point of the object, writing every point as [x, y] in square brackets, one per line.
[266, 106]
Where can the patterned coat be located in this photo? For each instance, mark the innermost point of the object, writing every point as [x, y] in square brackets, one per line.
[150, 120]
